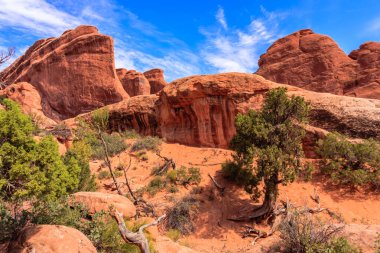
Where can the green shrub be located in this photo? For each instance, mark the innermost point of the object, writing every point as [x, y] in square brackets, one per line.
[118, 173]
[81, 151]
[29, 168]
[377, 244]
[115, 145]
[184, 176]
[104, 174]
[303, 233]
[173, 234]
[348, 163]
[148, 143]
[100, 118]
[155, 185]
[10, 224]
[180, 216]
[130, 134]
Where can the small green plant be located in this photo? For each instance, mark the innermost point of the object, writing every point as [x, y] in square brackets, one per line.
[115, 145]
[184, 176]
[118, 173]
[104, 174]
[307, 172]
[348, 163]
[148, 143]
[377, 244]
[155, 185]
[180, 216]
[172, 189]
[142, 155]
[173, 234]
[130, 134]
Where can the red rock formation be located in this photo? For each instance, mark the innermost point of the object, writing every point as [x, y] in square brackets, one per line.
[134, 83]
[51, 238]
[315, 62]
[156, 80]
[73, 73]
[367, 83]
[200, 110]
[29, 99]
[137, 113]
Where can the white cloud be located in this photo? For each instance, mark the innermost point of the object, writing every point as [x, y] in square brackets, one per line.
[35, 15]
[221, 18]
[237, 50]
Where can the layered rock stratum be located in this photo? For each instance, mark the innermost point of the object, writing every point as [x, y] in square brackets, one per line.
[74, 73]
[315, 62]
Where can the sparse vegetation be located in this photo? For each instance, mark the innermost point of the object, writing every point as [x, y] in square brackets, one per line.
[350, 163]
[304, 233]
[184, 176]
[104, 174]
[154, 186]
[147, 143]
[115, 145]
[130, 134]
[180, 217]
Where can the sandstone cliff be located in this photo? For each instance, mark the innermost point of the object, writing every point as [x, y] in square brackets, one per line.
[156, 80]
[134, 83]
[315, 62]
[73, 73]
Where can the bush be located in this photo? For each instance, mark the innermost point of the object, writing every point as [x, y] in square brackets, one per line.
[173, 234]
[10, 224]
[81, 151]
[184, 176]
[155, 185]
[130, 134]
[348, 163]
[302, 233]
[29, 168]
[148, 143]
[115, 145]
[104, 174]
[180, 216]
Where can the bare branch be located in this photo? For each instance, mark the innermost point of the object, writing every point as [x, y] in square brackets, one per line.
[221, 188]
[5, 56]
[137, 238]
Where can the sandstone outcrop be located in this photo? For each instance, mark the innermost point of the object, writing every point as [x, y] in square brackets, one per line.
[29, 99]
[73, 73]
[98, 201]
[200, 110]
[137, 113]
[156, 80]
[134, 83]
[51, 238]
[315, 62]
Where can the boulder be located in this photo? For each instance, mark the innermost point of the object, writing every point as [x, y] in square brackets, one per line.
[363, 236]
[49, 239]
[99, 201]
[74, 73]
[27, 96]
[315, 62]
[134, 83]
[156, 80]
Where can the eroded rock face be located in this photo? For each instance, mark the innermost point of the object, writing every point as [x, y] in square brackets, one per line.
[134, 83]
[73, 73]
[51, 238]
[137, 113]
[200, 110]
[156, 80]
[99, 201]
[29, 99]
[315, 62]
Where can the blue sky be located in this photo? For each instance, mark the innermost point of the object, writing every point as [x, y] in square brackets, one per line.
[190, 37]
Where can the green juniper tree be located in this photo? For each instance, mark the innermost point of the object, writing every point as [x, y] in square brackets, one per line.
[268, 147]
[29, 168]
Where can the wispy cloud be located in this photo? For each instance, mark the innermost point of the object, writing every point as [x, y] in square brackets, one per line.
[374, 25]
[237, 49]
[221, 18]
[35, 15]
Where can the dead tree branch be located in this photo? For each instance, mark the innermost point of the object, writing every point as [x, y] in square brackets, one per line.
[137, 238]
[5, 56]
[169, 162]
[221, 188]
[108, 161]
